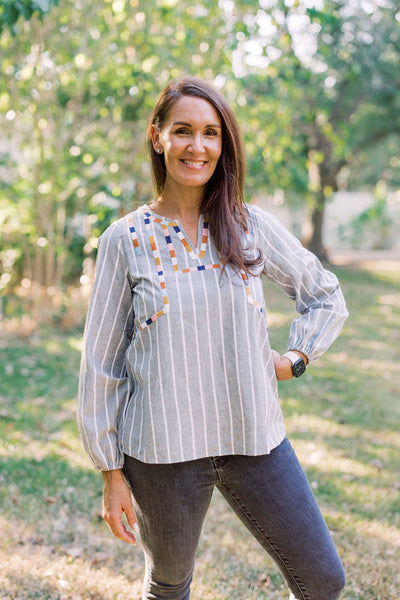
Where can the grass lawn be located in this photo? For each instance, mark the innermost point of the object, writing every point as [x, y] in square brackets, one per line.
[342, 417]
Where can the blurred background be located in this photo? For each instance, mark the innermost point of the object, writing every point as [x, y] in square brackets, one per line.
[314, 83]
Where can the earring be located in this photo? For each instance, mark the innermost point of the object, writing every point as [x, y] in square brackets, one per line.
[158, 150]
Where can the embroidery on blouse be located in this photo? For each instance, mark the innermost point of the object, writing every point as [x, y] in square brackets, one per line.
[193, 255]
[201, 268]
[161, 278]
[204, 238]
[173, 255]
[170, 247]
[185, 243]
[249, 295]
[135, 241]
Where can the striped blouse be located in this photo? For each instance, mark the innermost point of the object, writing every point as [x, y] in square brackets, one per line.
[177, 363]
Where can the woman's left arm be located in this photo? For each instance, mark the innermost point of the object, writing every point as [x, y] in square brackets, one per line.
[316, 292]
[104, 386]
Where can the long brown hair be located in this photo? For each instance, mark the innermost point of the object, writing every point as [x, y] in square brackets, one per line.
[223, 201]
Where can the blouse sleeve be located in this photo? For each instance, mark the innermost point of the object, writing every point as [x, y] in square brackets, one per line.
[318, 298]
[103, 384]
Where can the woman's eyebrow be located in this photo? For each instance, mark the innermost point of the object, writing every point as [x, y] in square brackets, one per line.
[190, 125]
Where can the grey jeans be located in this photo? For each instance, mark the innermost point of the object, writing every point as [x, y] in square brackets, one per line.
[271, 496]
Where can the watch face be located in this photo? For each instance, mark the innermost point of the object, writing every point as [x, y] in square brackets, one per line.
[299, 367]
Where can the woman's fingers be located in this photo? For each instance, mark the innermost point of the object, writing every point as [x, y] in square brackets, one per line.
[117, 500]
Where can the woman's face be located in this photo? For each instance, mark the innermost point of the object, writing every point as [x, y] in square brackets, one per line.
[191, 140]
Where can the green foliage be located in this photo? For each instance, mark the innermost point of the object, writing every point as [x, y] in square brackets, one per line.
[314, 90]
[336, 81]
[11, 10]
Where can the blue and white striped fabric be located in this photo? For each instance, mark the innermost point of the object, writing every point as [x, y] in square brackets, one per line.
[177, 363]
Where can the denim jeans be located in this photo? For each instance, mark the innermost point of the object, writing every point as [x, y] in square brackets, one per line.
[270, 494]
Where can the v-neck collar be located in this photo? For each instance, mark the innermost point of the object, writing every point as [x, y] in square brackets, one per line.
[202, 231]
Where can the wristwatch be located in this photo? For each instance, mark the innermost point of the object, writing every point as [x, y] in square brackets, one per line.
[298, 364]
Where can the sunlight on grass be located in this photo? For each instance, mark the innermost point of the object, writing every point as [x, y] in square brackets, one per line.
[276, 319]
[322, 426]
[76, 343]
[342, 417]
[389, 300]
[338, 357]
[63, 443]
[384, 533]
[62, 577]
[313, 454]
[52, 346]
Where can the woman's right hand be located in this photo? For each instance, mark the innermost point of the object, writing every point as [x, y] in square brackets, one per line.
[117, 500]
[283, 366]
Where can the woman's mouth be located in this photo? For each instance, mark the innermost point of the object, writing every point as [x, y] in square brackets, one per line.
[194, 164]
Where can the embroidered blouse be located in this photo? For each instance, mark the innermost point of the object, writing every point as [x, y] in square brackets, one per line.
[177, 363]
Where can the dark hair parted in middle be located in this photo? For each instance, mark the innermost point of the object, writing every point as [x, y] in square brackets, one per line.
[223, 201]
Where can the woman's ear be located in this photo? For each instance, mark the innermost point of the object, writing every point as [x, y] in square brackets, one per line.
[155, 138]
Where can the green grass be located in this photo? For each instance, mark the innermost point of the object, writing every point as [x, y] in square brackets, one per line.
[342, 417]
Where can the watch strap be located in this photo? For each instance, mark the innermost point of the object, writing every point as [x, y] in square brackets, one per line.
[298, 364]
[292, 356]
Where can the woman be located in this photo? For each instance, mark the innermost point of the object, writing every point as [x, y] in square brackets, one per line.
[178, 389]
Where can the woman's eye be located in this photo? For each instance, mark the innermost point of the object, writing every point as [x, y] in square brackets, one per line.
[182, 130]
[211, 132]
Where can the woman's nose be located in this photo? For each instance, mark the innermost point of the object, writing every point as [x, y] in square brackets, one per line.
[196, 144]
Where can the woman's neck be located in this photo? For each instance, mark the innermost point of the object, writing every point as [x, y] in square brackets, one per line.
[180, 204]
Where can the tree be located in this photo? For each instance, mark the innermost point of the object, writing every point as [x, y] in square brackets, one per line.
[78, 84]
[76, 101]
[336, 73]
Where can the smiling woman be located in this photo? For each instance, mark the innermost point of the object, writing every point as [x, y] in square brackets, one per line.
[178, 388]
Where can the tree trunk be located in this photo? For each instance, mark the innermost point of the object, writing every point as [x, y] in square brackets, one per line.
[317, 220]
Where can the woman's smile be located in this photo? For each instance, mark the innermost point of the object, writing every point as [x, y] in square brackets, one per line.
[193, 164]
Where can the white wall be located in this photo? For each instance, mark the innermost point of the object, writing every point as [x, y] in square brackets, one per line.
[343, 207]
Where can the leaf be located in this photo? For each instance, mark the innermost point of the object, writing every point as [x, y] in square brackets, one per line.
[24, 8]
[10, 15]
